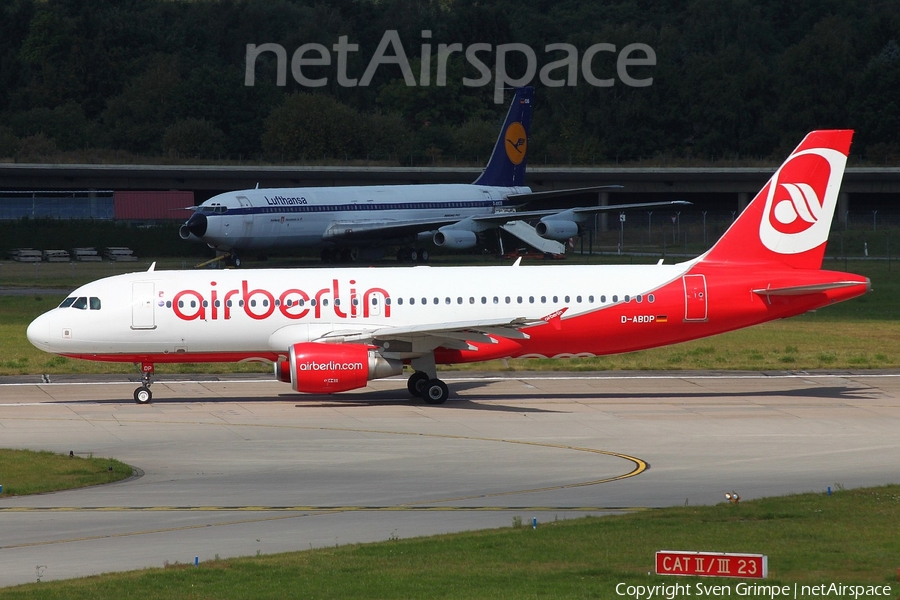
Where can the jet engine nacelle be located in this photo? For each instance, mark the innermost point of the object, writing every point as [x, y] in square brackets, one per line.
[317, 368]
[455, 238]
[557, 229]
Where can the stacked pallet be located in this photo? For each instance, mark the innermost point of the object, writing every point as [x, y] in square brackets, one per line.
[26, 255]
[56, 256]
[120, 254]
[86, 255]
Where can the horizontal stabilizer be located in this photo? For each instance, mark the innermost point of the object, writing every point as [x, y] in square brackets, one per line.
[800, 290]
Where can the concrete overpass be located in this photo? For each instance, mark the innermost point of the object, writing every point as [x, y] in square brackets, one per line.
[713, 188]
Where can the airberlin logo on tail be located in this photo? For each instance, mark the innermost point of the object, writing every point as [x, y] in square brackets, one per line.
[800, 201]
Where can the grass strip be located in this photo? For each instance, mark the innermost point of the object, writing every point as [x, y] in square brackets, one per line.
[23, 472]
[848, 537]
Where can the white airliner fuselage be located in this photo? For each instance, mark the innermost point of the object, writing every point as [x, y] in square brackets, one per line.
[307, 217]
[170, 315]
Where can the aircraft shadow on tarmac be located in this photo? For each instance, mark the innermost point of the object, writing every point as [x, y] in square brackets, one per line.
[822, 393]
[493, 402]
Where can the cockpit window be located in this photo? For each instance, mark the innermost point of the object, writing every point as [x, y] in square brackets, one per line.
[81, 303]
[216, 209]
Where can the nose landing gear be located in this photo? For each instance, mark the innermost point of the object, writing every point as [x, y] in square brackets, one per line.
[142, 395]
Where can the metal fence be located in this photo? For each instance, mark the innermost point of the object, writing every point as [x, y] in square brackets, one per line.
[872, 234]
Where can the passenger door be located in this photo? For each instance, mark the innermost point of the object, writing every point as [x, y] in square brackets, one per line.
[142, 296]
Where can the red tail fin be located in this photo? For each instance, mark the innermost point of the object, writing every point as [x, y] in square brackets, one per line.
[789, 219]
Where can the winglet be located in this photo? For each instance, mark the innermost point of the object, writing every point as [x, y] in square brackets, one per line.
[506, 168]
[555, 319]
[152, 267]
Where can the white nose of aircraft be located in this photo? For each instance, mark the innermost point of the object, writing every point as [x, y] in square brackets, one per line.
[39, 332]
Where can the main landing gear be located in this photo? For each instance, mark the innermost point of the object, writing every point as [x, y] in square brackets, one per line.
[430, 389]
[142, 395]
[412, 255]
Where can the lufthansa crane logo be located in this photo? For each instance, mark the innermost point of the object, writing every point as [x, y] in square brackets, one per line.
[800, 201]
[516, 142]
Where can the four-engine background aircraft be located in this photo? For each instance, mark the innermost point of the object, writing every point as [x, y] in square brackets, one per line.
[341, 219]
[332, 330]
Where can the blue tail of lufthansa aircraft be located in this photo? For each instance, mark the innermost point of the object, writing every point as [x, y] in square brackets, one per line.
[507, 165]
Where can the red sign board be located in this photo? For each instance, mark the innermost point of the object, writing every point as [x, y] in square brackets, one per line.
[711, 564]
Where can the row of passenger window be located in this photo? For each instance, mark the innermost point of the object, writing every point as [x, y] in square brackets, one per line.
[81, 303]
[447, 300]
[534, 300]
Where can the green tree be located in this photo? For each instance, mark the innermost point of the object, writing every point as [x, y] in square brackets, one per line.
[136, 119]
[312, 126]
[876, 106]
[9, 143]
[193, 138]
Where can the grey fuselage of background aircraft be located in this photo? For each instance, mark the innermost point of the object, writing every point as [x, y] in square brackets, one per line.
[343, 219]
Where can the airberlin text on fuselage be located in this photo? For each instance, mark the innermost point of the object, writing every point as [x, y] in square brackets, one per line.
[292, 303]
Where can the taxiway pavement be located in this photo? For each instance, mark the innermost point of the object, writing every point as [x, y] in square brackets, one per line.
[236, 467]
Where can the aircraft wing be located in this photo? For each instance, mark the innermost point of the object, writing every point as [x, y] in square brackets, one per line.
[418, 339]
[362, 230]
[359, 230]
[528, 197]
[557, 225]
[579, 210]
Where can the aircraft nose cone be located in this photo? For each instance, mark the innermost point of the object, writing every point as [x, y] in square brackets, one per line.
[38, 333]
[196, 225]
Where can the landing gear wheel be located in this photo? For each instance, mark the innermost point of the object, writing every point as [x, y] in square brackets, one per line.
[408, 255]
[423, 255]
[142, 395]
[232, 260]
[436, 392]
[416, 383]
